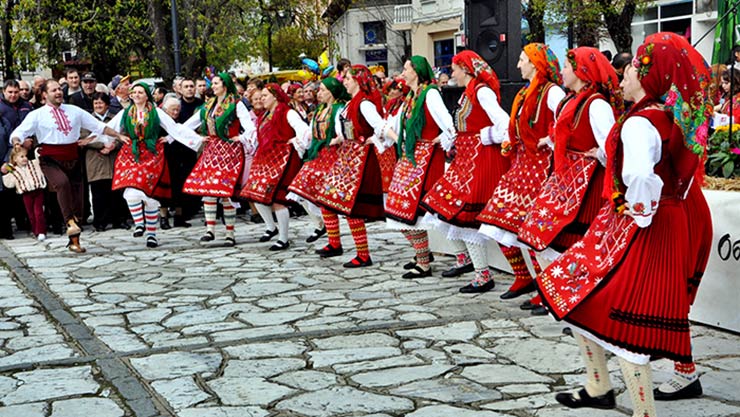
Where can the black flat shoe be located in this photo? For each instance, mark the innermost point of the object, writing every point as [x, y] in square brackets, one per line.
[151, 242]
[180, 222]
[357, 262]
[693, 390]
[477, 289]
[457, 271]
[509, 294]
[268, 235]
[279, 245]
[604, 402]
[329, 251]
[164, 223]
[317, 233]
[139, 231]
[207, 237]
[412, 264]
[230, 241]
[539, 311]
[527, 305]
[417, 272]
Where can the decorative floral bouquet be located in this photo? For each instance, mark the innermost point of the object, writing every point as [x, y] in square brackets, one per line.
[724, 154]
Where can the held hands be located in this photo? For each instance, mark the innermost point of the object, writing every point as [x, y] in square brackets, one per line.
[437, 140]
[592, 153]
[86, 141]
[543, 142]
[27, 143]
[6, 168]
[336, 141]
[124, 139]
[108, 148]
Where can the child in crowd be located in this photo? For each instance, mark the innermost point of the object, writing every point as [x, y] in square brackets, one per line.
[28, 180]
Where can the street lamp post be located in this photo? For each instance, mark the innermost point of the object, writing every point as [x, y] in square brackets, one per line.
[175, 36]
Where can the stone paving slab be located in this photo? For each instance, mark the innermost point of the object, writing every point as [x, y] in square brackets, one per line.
[202, 330]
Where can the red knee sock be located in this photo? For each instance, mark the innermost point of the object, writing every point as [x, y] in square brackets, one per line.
[331, 221]
[522, 278]
[535, 264]
[359, 234]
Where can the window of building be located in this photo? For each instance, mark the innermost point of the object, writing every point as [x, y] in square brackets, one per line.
[374, 32]
[444, 50]
[670, 17]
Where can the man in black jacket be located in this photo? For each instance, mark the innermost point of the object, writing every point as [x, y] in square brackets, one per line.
[83, 98]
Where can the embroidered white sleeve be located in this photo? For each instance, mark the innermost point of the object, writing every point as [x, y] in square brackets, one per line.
[642, 150]
[601, 116]
[554, 96]
[245, 120]
[300, 127]
[442, 117]
[499, 132]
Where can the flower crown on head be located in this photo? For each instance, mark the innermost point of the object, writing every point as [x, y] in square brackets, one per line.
[643, 62]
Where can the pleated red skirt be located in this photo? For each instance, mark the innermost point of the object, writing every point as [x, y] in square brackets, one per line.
[700, 237]
[517, 190]
[312, 174]
[464, 189]
[642, 304]
[218, 170]
[273, 169]
[149, 174]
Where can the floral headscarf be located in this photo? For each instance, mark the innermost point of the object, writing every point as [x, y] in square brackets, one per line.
[225, 114]
[476, 66]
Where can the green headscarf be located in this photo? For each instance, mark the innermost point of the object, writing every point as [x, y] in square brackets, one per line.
[146, 131]
[412, 125]
[340, 95]
[225, 115]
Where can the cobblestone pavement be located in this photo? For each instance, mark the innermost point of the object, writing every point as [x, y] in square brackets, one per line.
[194, 330]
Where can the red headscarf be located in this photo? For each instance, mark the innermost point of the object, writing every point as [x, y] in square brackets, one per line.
[548, 71]
[666, 72]
[269, 121]
[368, 91]
[592, 67]
[482, 73]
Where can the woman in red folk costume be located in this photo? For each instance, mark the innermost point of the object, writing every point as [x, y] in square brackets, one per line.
[397, 91]
[422, 124]
[457, 198]
[532, 117]
[141, 168]
[623, 286]
[353, 186]
[318, 156]
[227, 126]
[275, 164]
[685, 381]
[571, 198]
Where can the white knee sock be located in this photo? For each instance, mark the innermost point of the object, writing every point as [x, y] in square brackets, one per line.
[266, 214]
[314, 213]
[229, 216]
[479, 256]
[210, 207]
[639, 381]
[597, 374]
[283, 218]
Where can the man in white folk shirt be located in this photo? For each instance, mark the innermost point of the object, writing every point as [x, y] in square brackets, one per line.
[56, 127]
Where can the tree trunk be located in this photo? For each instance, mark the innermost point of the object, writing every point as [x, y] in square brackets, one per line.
[162, 48]
[619, 24]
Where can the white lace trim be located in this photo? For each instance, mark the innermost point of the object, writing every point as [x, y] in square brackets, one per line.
[629, 356]
[396, 225]
[467, 235]
[503, 237]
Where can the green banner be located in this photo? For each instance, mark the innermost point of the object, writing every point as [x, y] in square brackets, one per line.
[724, 33]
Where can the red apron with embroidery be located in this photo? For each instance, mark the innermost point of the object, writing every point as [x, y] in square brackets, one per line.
[311, 177]
[149, 174]
[218, 170]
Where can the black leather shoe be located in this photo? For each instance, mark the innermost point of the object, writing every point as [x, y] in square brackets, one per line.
[417, 272]
[457, 271]
[412, 264]
[539, 311]
[514, 294]
[230, 241]
[693, 390]
[164, 223]
[604, 402]
[207, 237]
[180, 222]
[329, 251]
[268, 235]
[317, 233]
[476, 289]
[527, 305]
[139, 231]
[151, 242]
[279, 245]
[356, 262]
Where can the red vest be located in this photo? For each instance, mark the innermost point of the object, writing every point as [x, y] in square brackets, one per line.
[471, 117]
[430, 130]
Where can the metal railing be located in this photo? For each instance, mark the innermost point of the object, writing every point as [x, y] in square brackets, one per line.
[403, 14]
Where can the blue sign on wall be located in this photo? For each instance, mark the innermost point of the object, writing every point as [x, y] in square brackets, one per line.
[376, 55]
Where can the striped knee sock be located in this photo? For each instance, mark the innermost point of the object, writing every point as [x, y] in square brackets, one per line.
[522, 278]
[331, 221]
[419, 239]
[210, 205]
[359, 234]
[229, 218]
[152, 218]
[137, 213]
